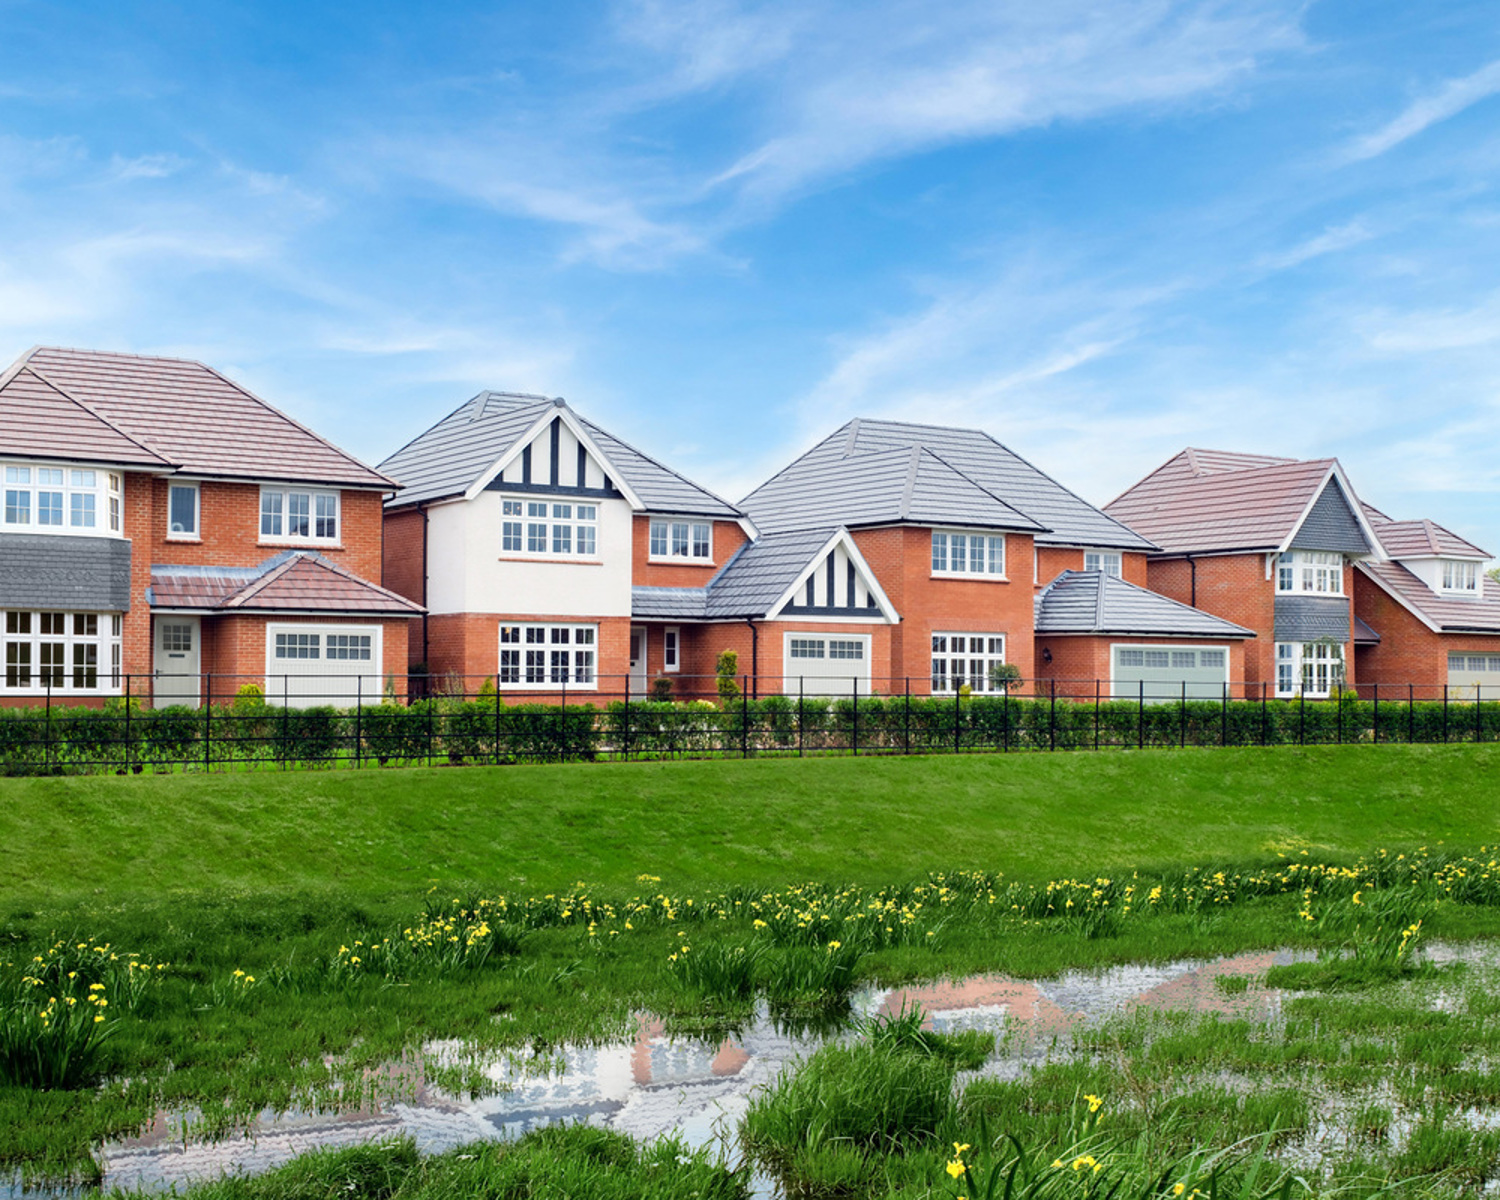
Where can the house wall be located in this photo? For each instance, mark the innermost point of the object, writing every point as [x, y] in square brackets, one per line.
[1079, 661]
[468, 573]
[468, 644]
[1236, 587]
[901, 559]
[1409, 652]
[1052, 561]
[403, 563]
[727, 538]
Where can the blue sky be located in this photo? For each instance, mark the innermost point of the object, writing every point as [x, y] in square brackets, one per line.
[1100, 232]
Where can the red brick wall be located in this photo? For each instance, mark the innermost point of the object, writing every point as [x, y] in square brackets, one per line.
[1409, 652]
[1078, 661]
[234, 650]
[229, 524]
[728, 537]
[403, 561]
[902, 561]
[468, 644]
[1052, 561]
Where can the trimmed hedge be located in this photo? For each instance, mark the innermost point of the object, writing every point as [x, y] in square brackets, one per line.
[36, 741]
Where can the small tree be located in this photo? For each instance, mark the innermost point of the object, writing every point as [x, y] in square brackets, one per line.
[727, 669]
[661, 688]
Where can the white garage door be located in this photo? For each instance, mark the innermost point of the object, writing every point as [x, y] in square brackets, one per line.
[1473, 675]
[309, 664]
[826, 664]
[1161, 673]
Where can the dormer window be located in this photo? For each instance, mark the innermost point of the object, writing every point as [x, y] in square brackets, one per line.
[1459, 576]
[1313, 572]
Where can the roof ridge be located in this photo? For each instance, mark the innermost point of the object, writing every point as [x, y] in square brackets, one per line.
[1004, 503]
[1099, 600]
[853, 437]
[273, 571]
[1432, 541]
[903, 510]
[95, 413]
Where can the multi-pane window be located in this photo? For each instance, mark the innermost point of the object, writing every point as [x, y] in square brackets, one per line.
[1107, 561]
[182, 510]
[1459, 576]
[966, 660]
[549, 655]
[350, 647]
[61, 651]
[48, 499]
[1311, 668]
[975, 554]
[692, 540]
[298, 645]
[299, 516]
[1312, 571]
[550, 528]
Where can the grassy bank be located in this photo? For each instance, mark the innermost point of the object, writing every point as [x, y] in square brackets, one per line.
[712, 824]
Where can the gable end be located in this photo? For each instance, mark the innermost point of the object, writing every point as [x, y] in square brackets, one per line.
[1331, 525]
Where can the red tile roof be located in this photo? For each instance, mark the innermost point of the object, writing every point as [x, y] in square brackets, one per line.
[294, 581]
[1211, 500]
[1419, 539]
[42, 422]
[190, 415]
[1447, 615]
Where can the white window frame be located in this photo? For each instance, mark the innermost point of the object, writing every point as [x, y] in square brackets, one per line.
[24, 628]
[1311, 669]
[282, 516]
[551, 528]
[671, 649]
[680, 540]
[1111, 562]
[991, 543]
[1459, 577]
[530, 659]
[1310, 573]
[194, 534]
[79, 488]
[953, 665]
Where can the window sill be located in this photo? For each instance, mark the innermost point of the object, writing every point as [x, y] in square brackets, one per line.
[540, 558]
[681, 562]
[299, 544]
[186, 539]
[960, 576]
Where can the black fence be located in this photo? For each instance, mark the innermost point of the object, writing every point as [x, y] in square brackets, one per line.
[459, 720]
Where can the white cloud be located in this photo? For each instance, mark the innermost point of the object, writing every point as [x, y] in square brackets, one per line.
[145, 166]
[1436, 330]
[1448, 101]
[1330, 241]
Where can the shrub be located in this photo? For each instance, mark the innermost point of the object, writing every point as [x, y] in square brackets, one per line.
[661, 688]
[727, 670]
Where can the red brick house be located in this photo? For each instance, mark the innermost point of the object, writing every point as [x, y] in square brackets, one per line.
[163, 529]
[1436, 614]
[1269, 544]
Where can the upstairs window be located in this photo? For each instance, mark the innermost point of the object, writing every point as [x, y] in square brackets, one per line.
[1107, 561]
[297, 516]
[182, 510]
[549, 528]
[689, 540]
[1460, 576]
[976, 555]
[40, 498]
[1313, 572]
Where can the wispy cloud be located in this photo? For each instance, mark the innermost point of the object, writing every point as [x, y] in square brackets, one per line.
[1448, 101]
[1330, 241]
[145, 166]
[1418, 332]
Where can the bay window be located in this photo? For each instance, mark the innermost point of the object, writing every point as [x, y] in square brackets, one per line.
[42, 498]
[51, 651]
[1312, 669]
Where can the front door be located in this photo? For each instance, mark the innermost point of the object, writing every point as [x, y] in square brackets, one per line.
[175, 658]
[637, 662]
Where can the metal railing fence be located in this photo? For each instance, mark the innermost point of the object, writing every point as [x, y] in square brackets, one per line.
[482, 719]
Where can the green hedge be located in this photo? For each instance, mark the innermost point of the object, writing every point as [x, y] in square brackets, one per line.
[441, 730]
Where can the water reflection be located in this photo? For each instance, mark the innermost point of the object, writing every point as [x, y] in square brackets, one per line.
[665, 1080]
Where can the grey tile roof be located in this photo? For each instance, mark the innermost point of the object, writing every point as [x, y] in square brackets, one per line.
[1480, 615]
[1312, 619]
[448, 458]
[1201, 501]
[1093, 602]
[190, 415]
[757, 576]
[859, 476]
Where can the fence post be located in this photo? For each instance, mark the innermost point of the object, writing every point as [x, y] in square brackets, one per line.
[1445, 714]
[359, 717]
[744, 716]
[127, 723]
[855, 739]
[47, 729]
[957, 717]
[1411, 700]
[1182, 718]
[1140, 717]
[906, 720]
[497, 716]
[208, 721]
[1005, 716]
[1096, 712]
[1052, 719]
[1224, 717]
[285, 719]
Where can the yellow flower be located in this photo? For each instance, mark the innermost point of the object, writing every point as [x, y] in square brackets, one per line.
[1095, 1103]
[959, 1148]
[956, 1168]
[1178, 1188]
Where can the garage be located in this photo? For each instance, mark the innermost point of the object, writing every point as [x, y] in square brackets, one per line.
[1473, 676]
[826, 664]
[310, 664]
[1163, 673]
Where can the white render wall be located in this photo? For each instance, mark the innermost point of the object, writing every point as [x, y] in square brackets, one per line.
[467, 571]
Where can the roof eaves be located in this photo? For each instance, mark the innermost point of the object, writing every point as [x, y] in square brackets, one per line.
[1374, 577]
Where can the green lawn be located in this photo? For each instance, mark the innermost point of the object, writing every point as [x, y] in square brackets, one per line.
[712, 824]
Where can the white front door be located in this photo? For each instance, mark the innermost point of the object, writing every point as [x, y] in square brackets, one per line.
[175, 657]
[637, 662]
